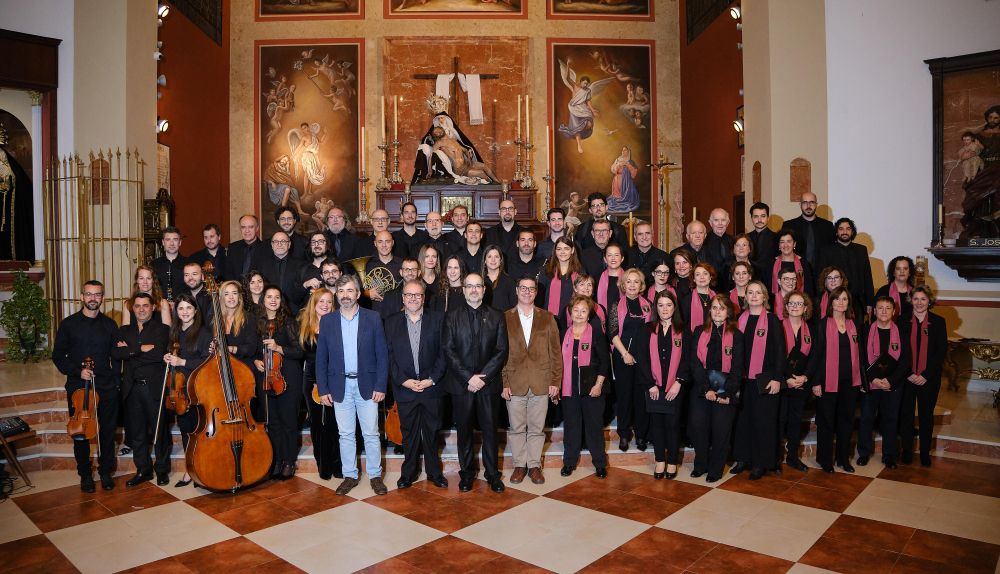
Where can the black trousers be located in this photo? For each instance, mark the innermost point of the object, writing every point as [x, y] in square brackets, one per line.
[710, 426]
[885, 406]
[283, 424]
[630, 401]
[756, 427]
[791, 405]
[325, 435]
[583, 419]
[420, 420]
[920, 401]
[665, 430]
[835, 418]
[470, 408]
[142, 408]
[107, 421]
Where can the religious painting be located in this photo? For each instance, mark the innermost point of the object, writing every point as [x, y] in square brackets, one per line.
[267, 10]
[603, 124]
[455, 9]
[600, 10]
[308, 118]
[967, 149]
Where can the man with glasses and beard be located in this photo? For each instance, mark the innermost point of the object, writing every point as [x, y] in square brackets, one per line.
[408, 239]
[599, 211]
[505, 233]
[812, 232]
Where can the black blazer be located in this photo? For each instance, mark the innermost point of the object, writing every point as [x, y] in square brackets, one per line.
[139, 364]
[350, 245]
[238, 252]
[585, 239]
[937, 341]
[467, 356]
[823, 233]
[219, 261]
[502, 297]
[700, 374]
[765, 247]
[289, 281]
[432, 361]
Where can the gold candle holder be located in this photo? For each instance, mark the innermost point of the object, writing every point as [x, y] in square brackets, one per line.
[548, 178]
[363, 198]
[526, 180]
[383, 180]
[517, 159]
[395, 163]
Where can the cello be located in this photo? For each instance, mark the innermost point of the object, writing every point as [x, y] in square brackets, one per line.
[228, 450]
[83, 423]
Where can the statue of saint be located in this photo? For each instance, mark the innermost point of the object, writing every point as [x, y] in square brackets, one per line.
[446, 153]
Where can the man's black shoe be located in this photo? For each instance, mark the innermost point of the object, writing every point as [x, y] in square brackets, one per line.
[567, 470]
[87, 484]
[797, 465]
[107, 482]
[162, 479]
[440, 482]
[737, 467]
[496, 484]
[465, 485]
[138, 479]
[601, 473]
[756, 474]
[863, 460]
[404, 483]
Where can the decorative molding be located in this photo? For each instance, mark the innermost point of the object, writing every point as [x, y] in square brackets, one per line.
[36, 97]
[972, 263]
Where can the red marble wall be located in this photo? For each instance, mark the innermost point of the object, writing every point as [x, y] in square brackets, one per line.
[507, 57]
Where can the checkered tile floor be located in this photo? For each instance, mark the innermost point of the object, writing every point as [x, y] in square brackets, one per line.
[913, 519]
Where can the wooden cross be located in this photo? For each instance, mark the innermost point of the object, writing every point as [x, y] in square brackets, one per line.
[454, 89]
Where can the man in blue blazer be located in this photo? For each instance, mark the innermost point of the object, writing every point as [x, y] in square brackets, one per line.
[352, 367]
[416, 366]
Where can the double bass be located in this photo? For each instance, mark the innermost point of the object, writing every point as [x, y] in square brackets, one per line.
[228, 450]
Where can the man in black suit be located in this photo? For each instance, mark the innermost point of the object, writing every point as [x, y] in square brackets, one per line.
[341, 243]
[436, 236]
[211, 235]
[287, 220]
[504, 234]
[416, 370]
[524, 261]
[592, 257]
[598, 204]
[280, 269]
[141, 346]
[475, 346]
[852, 259]
[311, 278]
[765, 241]
[718, 243]
[695, 233]
[456, 237]
[644, 255]
[555, 219]
[812, 233]
[473, 248]
[194, 280]
[244, 255]
[169, 267]
[408, 239]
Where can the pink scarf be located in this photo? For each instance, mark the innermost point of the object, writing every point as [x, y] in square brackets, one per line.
[647, 311]
[727, 348]
[790, 337]
[874, 342]
[675, 357]
[602, 289]
[757, 350]
[698, 310]
[582, 357]
[734, 296]
[779, 305]
[799, 281]
[598, 310]
[554, 297]
[894, 293]
[651, 292]
[823, 303]
[833, 355]
[919, 359]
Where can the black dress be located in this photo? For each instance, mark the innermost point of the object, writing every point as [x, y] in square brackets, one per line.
[630, 394]
[665, 416]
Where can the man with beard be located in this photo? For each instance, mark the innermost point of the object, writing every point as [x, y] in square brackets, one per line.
[408, 239]
[599, 211]
[504, 235]
[89, 333]
[340, 242]
[852, 259]
[287, 220]
[813, 234]
[436, 236]
[169, 267]
[194, 280]
[244, 255]
[644, 254]
[330, 271]
[765, 241]
[556, 221]
[211, 235]
[593, 256]
[392, 302]
[281, 270]
[463, 164]
[311, 278]
[456, 237]
[524, 261]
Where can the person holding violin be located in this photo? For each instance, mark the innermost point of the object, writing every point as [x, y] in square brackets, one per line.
[322, 421]
[190, 342]
[416, 366]
[141, 346]
[281, 372]
[88, 333]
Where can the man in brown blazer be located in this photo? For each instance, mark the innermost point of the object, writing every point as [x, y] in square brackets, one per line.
[531, 378]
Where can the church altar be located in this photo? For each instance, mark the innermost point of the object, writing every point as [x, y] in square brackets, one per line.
[482, 201]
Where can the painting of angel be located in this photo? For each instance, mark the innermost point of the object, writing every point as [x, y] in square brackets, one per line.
[581, 112]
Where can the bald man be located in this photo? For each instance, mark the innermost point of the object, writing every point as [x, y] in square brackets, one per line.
[245, 254]
[695, 234]
[383, 258]
[718, 243]
[813, 234]
[505, 233]
[380, 222]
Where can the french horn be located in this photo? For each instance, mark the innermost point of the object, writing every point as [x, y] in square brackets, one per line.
[379, 279]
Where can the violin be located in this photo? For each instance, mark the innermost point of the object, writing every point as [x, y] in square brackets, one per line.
[83, 423]
[274, 381]
[176, 384]
[393, 431]
[228, 450]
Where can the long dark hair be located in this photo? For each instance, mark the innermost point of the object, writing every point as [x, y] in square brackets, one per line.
[552, 268]
[281, 316]
[176, 331]
[676, 320]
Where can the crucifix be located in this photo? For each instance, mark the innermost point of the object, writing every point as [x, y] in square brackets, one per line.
[454, 88]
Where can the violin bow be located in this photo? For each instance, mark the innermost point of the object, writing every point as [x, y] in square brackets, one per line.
[159, 414]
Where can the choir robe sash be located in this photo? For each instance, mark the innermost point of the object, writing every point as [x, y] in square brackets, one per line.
[919, 358]
[776, 270]
[759, 346]
[698, 310]
[833, 355]
[602, 288]
[874, 343]
[675, 357]
[823, 303]
[806, 345]
[582, 356]
[554, 297]
[894, 294]
[727, 348]
[647, 311]
[651, 292]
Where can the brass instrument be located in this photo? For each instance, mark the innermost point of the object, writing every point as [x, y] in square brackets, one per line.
[380, 279]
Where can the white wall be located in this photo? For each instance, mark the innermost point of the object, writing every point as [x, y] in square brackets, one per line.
[54, 19]
[879, 115]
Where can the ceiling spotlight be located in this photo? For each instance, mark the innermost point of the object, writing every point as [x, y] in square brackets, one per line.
[737, 125]
[162, 10]
[162, 125]
[735, 12]
[161, 80]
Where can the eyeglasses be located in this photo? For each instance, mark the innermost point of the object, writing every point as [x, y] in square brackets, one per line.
[527, 289]
[412, 295]
[280, 242]
[659, 272]
[330, 272]
[474, 286]
[318, 242]
[380, 219]
[795, 304]
[834, 277]
[599, 204]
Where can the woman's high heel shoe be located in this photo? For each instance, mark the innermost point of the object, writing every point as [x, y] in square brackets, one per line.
[183, 482]
[658, 474]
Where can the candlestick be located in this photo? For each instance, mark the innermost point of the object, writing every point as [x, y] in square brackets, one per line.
[547, 197]
[694, 214]
[363, 196]
[519, 117]
[495, 145]
[517, 159]
[527, 118]
[941, 213]
[395, 118]
[395, 163]
[631, 229]
[526, 181]
[548, 142]
[383, 180]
